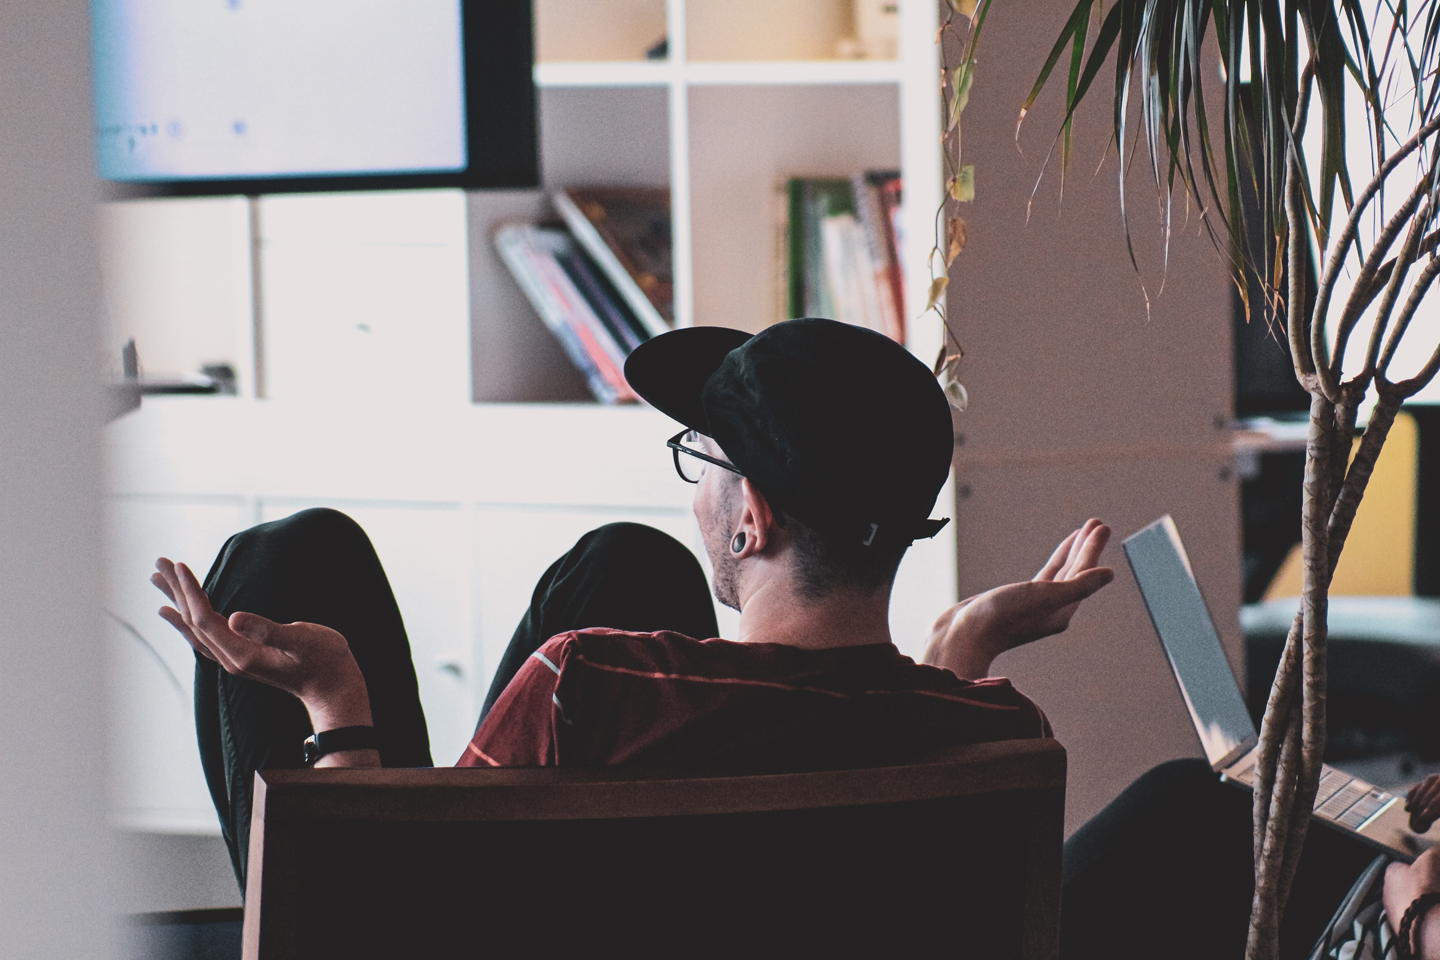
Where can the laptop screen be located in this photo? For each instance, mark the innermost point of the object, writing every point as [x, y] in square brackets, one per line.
[1188, 635]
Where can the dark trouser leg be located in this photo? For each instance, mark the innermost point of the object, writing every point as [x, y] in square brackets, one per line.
[1166, 871]
[315, 566]
[623, 575]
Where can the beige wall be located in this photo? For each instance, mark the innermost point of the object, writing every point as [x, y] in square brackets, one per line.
[1081, 406]
[53, 841]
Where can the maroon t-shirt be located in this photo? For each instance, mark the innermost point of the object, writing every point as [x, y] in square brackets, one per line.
[602, 696]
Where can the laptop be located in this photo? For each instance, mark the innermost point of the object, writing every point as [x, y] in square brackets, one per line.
[1227, 734]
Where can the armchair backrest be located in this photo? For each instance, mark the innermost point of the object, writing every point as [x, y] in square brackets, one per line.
[955, 854]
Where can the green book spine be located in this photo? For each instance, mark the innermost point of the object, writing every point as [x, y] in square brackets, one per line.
[796, 273]
[820, 199]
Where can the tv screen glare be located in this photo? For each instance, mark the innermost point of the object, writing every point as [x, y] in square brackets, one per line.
[204, 97]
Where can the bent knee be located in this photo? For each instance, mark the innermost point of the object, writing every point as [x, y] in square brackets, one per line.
[315, 527]
[626, 535]
[1187, 773]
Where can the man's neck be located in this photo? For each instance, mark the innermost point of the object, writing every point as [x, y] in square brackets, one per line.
[775, 612]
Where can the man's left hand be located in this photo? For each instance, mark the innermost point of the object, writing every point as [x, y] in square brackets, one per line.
[970, 635]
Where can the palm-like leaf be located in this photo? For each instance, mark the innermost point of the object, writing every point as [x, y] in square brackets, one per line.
[1281, 148]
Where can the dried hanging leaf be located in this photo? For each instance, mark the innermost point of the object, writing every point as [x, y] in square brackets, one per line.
[966, 8]
[957, 234]
[937, 290]
[949, 376]
[961, 79]
[962, 185]
[955, 392]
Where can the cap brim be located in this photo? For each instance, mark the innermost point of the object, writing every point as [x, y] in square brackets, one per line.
[670, 371]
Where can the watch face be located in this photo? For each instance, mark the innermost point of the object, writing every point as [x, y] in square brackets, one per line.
[311, 749]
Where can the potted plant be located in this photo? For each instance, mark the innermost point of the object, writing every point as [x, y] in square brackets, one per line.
[1323, 118]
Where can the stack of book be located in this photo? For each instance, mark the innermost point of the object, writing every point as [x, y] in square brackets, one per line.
[840, 251]
[600, 281]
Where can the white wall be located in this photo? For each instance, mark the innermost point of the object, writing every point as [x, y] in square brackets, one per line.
[54, 849]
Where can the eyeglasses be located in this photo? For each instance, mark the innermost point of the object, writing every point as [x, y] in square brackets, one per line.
[688, 442]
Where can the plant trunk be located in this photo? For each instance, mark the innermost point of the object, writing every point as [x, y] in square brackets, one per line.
[1292, 733]
[1293, 730]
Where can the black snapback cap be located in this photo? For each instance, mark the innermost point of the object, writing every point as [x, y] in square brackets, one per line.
[838, 426]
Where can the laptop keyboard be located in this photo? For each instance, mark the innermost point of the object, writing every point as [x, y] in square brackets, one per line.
[1365, 806]
[1341, 798]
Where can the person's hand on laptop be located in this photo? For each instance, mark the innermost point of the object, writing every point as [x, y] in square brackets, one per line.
[1423, 802]
[1404, 884]
[970, 635]
[308, 660]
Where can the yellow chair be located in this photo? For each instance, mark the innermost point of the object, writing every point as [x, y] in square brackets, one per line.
[1379, 554]
[1384, 642]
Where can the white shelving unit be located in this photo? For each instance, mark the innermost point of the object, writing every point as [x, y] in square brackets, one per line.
[369, 301]
[917, 109]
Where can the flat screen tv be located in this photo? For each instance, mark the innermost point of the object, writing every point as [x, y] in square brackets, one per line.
[206, 97]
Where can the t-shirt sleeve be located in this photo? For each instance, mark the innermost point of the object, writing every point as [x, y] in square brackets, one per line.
[520, 729]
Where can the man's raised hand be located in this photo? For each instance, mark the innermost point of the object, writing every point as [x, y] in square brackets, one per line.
[310, 661]
[1072, 574]
[971, 634]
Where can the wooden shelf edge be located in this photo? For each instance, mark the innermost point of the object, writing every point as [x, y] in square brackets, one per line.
[718, 73]
[639, 73]
[792, 72]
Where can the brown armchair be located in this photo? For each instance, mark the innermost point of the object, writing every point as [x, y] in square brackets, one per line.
[956, 854]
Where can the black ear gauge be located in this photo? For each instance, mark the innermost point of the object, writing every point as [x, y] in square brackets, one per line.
[738, 543]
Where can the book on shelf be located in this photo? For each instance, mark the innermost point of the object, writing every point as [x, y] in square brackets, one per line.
[626, 230]
[577, 301]
[841, 246]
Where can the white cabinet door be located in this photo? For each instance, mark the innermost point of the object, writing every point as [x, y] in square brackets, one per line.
[156, 778]
[423, 548]
[367, 297]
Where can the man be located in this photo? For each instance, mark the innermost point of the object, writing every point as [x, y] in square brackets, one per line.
[817, 449]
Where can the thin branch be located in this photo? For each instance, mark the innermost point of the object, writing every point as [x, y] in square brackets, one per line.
[1400, 269]
[1382, 275]
[1273, 729]
[1368, 271]
[1342, 515]
[1316, 545]
[1412, 303]
[1415, 384]
[1344, 439]
[1266, 910]
[1352, 225]
[1302, 354]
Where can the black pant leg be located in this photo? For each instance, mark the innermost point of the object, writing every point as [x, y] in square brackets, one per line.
[623, 575]
[1166, 870]
[316, 566]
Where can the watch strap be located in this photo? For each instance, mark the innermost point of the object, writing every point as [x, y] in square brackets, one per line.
[318, 745]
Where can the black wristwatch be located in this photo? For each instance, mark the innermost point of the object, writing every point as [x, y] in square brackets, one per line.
[318, 745]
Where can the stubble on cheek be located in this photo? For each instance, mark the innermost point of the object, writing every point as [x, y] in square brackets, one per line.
[715, 532]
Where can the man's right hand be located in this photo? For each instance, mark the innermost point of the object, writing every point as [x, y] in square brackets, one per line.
[308, 660]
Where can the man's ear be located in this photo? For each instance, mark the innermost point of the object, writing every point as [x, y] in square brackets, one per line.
[757, 521]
